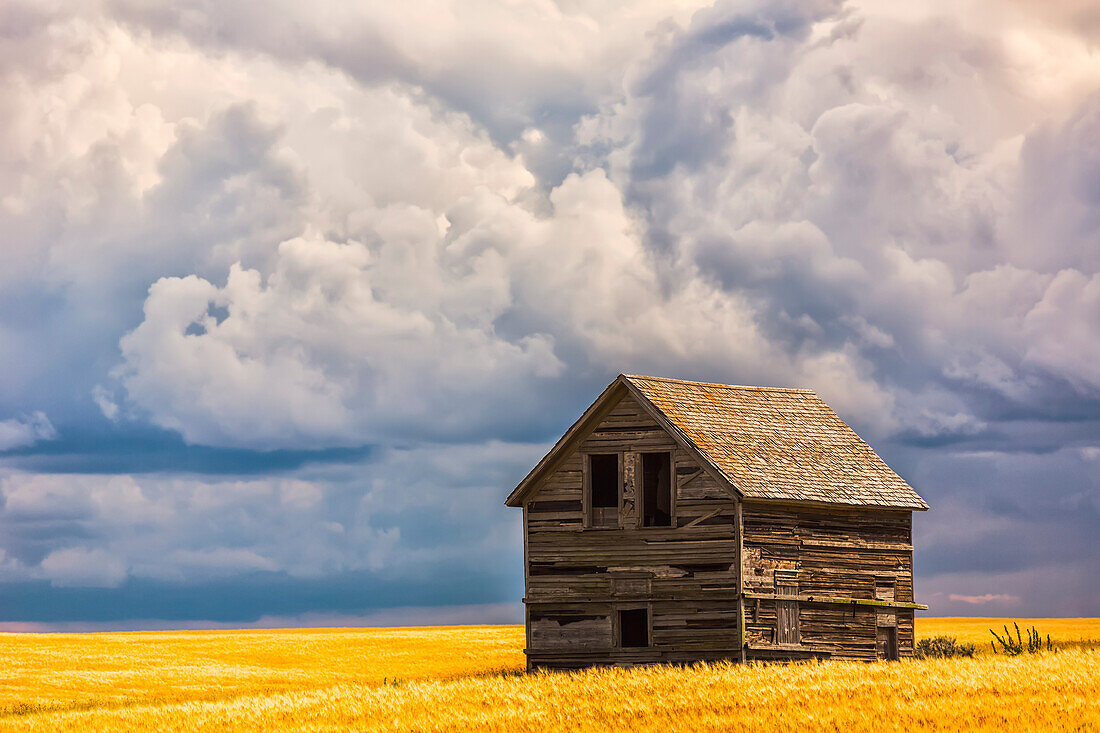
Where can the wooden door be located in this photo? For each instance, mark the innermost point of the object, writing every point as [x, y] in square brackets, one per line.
[887, 642]
[787, 616]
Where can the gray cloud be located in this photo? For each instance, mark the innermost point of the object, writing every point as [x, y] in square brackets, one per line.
[440, 230]
[470, 614]
[18, 432]
[397, 513]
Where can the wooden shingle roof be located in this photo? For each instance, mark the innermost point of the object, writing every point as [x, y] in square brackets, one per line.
[766, 443]
[779, 444]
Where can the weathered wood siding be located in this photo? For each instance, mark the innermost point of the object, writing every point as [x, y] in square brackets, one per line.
[864, 555]
[843, 576]
[578, 577]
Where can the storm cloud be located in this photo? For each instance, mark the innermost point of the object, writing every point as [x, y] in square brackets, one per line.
[296, 296]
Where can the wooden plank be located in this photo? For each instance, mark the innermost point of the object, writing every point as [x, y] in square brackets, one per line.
[857, 544]
[586, 490]
[628, 505]
[840, 601]
[703, 518]
[787, 625]
[526, 583]
[692, 477]
[738, 514]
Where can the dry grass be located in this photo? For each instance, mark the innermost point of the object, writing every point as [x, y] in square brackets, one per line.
[463, 678]
[74, 671]
[1067, 633]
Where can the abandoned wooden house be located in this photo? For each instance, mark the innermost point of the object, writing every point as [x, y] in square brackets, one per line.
[682, 521]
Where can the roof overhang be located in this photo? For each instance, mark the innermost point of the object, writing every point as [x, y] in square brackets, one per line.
[591, 417]
[837, 505]
[624, 385]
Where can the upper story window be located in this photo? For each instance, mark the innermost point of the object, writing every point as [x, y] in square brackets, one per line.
[656, 489]
[603, 487]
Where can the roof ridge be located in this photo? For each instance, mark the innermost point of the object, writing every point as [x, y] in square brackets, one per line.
[799, 390]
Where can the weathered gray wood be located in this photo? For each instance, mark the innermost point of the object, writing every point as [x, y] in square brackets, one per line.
[703, 518]
[686, 575]
[787, 624]
[526, 578]
[839, 600]
[628, 504]
[843, 561]
[740, 529]
[565, 480]
[699, 472]
[822, 580]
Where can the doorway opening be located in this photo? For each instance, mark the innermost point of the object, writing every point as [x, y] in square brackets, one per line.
[634, 628]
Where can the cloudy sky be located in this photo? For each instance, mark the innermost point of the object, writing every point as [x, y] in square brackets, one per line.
[293, 294]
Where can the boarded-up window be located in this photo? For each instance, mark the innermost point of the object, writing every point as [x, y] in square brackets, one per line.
[634, 628]
[786, 613]
[657, 489]
[603, 472]
[564, 630]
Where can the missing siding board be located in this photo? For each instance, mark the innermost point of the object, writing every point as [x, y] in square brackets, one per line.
[538, 507]
[564, 619]
[691, 570]
[549, 568]
[713, 623]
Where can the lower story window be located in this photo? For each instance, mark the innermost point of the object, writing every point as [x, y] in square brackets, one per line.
[634, 628]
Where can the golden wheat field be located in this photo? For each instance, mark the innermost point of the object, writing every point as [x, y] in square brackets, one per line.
[469, 678]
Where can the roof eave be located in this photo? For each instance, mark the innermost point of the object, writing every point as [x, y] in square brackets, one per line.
[594, 412]
[897, 507]
[603, 405]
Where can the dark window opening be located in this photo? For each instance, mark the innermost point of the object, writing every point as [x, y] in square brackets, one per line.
[603, 471]
[657, 489]
[634, 628]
